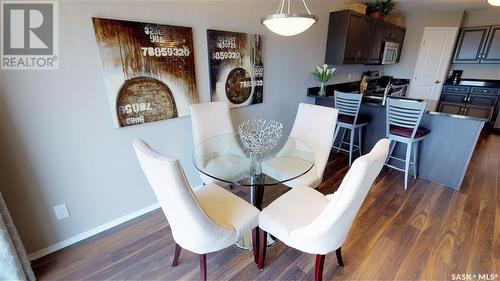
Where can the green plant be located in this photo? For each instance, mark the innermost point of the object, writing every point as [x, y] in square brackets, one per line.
[384, 7]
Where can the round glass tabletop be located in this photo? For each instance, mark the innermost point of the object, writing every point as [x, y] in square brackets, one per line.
[224, 158]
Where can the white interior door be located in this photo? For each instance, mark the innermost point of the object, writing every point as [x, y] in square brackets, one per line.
[432, 64]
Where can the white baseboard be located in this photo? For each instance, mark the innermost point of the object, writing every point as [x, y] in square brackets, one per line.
[91, 232]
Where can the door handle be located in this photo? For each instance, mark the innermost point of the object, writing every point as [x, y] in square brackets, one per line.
[437, 82]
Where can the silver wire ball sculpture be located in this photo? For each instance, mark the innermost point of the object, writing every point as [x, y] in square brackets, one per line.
[259, 136]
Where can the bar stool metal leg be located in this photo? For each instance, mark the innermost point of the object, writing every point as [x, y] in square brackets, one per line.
[335, 135]
[407, 163]
[351, 145]
[360, 129]
[391, 150]
[415, 160]
[342, 139]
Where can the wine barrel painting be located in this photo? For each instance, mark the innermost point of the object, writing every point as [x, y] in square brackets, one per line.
[238, 87]
[236, 67]
[144, 100]
[148, 68]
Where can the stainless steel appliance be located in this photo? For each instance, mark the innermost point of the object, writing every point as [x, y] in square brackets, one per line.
[390, 54]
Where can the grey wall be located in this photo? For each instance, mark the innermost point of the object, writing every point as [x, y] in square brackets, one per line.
[483, 17]
[58, 142]
[416, 22]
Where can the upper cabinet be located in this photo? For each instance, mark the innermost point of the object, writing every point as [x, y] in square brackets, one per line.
[491, 52]
[377, 42]
[478, 45]
[357, 50]
[355, 38]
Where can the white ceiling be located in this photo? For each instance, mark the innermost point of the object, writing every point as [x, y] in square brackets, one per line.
[406, 5]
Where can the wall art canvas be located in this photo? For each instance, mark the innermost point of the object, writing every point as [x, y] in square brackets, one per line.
[236, 67]
[149, 70]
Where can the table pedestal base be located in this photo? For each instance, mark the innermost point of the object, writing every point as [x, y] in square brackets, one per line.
[256, 197]
[245, 243]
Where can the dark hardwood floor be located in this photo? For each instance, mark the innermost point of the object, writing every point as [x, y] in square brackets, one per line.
[427, 232]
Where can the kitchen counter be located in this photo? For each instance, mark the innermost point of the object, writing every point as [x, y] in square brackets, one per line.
[373, 102]
[444, 154]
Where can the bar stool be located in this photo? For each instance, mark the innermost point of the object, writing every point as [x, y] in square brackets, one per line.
[402, 126]
[348, 105]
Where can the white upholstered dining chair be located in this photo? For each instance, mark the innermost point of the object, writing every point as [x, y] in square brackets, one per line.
[210, 120]
[314, 126]
[306, 220]
[202, 221]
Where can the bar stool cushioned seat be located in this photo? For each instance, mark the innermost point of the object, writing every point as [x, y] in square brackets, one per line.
[350, 119]
[406, 132]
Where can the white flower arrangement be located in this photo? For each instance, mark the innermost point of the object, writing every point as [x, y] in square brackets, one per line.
[323, 73]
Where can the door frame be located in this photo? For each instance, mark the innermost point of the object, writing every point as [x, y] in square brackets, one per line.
[454, 31]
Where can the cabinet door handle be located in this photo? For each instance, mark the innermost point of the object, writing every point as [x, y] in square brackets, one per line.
[437, 82]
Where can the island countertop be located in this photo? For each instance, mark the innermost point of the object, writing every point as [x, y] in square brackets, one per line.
[354, 86]
[444, 154]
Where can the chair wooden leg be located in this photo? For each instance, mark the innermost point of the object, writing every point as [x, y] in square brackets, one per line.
[262, 248]
[339, 257]
[318, 270]
[176, 254]
[255, 245]
[203, 267]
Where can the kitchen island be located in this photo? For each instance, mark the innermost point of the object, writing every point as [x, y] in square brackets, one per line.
[444, 154]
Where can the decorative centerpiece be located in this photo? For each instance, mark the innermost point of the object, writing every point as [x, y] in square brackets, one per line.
[323, 74]
[259, 136]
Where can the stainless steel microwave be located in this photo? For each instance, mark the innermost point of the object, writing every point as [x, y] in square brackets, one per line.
[390, 54]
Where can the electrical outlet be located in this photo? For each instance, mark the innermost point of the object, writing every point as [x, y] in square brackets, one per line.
[61, 211]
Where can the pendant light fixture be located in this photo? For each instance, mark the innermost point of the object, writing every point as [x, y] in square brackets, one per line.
[287, 23]
[494, 2]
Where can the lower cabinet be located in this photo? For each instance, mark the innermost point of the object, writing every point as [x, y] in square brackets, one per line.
[451, 108]
[469, 101]
[467, 110]
[479, 111]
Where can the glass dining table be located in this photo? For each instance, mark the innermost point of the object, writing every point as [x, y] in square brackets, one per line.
[225, 159]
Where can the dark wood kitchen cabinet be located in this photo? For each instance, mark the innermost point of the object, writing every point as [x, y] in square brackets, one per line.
[355, 38]
[478, 45]
[377, 42]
